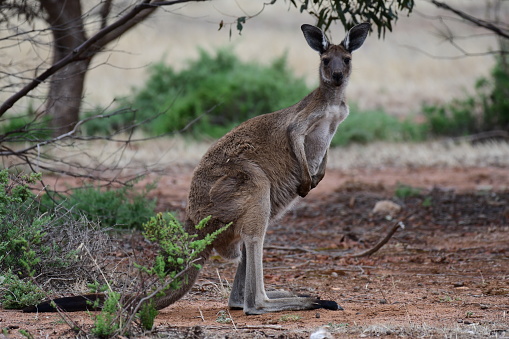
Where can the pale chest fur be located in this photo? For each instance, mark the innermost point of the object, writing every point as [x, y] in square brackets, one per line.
[320, 132]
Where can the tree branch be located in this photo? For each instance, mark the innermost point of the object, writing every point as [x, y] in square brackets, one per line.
[101, 38]
[476, 21]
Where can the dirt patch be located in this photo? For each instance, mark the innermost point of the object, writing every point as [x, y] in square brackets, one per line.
[446, 274]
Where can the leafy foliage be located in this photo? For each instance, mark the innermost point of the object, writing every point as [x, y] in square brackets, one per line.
[178, 248]
[381, 13]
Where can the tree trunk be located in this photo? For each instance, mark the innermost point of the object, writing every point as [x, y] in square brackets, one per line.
[66, 85]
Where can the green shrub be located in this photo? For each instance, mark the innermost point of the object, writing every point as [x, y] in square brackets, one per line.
[107, 322]
[41, 244]
[368, 126]
[177, 251]
[102, 122]
[147, 315]
[495, 96]
[16, 293]
[219, 88]
[457, 118]
[487, 109]
[25, 127]
[178, 248]
[122, 207]
[21, 229]
[404, 191]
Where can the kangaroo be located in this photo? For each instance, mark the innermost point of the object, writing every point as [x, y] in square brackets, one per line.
[254, 173]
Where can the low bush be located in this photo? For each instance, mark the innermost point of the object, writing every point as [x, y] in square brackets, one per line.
[178, 251]
[25, 127]
[217, 89]
[487, 109]
[16, 293]
[368, 126]
[123, 207]
[43, 244]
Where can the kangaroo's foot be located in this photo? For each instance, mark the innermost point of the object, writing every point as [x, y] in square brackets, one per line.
[238, 303]
[290, 304]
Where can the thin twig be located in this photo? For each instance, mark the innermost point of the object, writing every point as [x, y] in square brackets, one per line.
[231, 318]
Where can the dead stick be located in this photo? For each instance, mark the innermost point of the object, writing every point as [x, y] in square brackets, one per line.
[382, 242]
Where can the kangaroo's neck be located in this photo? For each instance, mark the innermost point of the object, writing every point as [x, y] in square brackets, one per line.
[330, 95]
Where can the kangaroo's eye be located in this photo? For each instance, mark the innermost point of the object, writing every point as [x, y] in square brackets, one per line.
[325, 61]
[347, 61]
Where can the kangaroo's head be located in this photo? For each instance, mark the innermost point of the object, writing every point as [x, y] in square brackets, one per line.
[335, 65]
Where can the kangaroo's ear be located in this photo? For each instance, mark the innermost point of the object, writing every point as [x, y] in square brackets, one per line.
[315, 38]
[356, 36]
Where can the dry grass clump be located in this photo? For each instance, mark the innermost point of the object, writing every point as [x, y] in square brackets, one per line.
[67, 263]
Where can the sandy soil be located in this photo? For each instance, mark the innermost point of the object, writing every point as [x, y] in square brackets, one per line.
[445, 275]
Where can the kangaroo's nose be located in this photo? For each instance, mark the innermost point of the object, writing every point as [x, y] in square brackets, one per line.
[337, 76]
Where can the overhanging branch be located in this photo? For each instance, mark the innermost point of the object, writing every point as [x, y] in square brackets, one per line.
[101, 38]
[476, 21]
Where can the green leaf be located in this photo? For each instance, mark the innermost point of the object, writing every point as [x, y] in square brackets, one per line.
[240, 22]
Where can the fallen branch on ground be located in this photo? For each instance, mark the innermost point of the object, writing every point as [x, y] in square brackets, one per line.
[382, 242]
[366, 253]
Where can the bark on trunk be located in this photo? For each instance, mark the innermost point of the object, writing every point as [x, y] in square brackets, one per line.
[66, 86]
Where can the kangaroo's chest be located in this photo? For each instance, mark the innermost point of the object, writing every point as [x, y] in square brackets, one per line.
[319, 135]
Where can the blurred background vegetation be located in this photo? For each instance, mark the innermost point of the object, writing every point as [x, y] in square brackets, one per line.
[218, 91]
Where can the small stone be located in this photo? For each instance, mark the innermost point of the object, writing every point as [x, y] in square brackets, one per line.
[484, 307]
[321, 333]
[317, 315]
[383, 301]
[387, 207]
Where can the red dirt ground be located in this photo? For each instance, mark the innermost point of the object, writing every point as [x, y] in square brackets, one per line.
[445, 275]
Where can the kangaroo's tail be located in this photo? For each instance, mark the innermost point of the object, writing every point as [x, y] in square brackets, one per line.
[86, 302]
[187, 281]
[95, 301]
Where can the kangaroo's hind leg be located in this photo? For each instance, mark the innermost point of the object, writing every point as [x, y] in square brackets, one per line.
[248, 287]
[236, 300]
